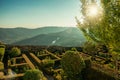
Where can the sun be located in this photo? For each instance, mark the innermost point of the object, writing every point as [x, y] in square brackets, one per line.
[93, 10]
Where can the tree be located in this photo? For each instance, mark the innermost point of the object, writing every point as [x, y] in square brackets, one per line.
[72, 64]
[34, 75]
[15, 52]
[101, 25]
[104, 26]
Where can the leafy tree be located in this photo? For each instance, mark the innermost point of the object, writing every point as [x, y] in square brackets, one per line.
[104, 27]
[15, 52]
[34, 75]
[72, 64]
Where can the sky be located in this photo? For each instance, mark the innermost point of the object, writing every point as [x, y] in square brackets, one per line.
[38, 13]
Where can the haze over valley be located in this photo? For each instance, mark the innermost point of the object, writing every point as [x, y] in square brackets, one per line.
[47, 36]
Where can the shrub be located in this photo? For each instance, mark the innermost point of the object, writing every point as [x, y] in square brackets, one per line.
[34, 75]
[48, 62]
[58, 77]
[73, 49]
[72, 64]
[88, 62]
[111, 65]
[89, 48]
[2, 46]
[2, 52]
[1, 66]
[15, 52]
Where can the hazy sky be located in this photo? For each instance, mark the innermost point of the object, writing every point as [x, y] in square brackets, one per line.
[37, 13]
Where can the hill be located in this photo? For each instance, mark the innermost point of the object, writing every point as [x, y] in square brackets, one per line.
[12, 35]
[67, 37]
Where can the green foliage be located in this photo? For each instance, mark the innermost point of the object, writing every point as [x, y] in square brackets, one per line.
[115, 55]
[105, 27]
[15, 52]
[95, 49]
[73, 49]
[47, 63]
[2, 52]
[72, 64]
[105, 55]
[58, 77]
[34, 75]
[88, 62]
[89, 48]
[111, 65]
[1, 66]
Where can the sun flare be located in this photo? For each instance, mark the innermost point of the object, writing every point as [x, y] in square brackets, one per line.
[93, 10]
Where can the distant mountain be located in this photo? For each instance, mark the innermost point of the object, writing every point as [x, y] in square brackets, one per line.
[12, 35]
[65, 37]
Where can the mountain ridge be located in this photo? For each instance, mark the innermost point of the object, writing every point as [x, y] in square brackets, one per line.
[59, 36]
[68, 37]
[11, 35]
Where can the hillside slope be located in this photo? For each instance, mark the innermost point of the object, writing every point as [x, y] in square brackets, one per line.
[69, 37]
[12, 35]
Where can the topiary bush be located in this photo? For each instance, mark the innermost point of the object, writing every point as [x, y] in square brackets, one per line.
[2, 52]
[88, 62]
[72, 64]
[59, 75]
[1, 66]
[47, 63]
[89, 48]
[73, 49]
[15, 52]
[34, 75]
